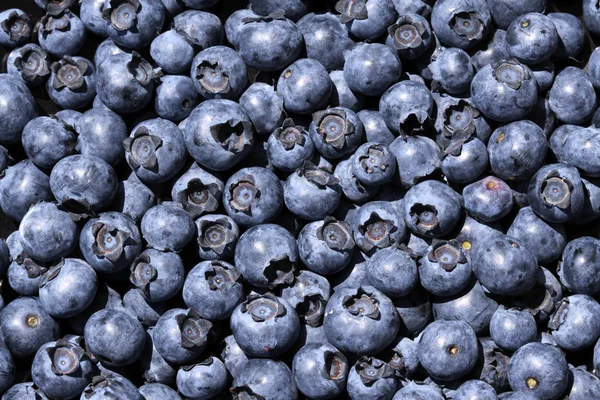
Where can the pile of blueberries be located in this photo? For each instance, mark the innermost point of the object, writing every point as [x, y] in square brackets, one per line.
[300, 199]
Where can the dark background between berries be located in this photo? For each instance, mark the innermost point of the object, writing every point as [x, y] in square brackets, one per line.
[223, 9]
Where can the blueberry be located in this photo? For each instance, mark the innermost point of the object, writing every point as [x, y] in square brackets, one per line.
[393, 271]
[556, 193]
[219, 73]
[512, 328]
[146, 312]
[366, 19]
[213, 289]
[16, 27]
[448, 349]
[444, 270]
[264, 106]
[235, 23]
[25, 326]
[218, 134]
[505, 11]
[591, 16]
[326, 39]
[583, 385]
[431, 209]
[62, 369]
[100, 134]
[577, 268]
[253, 196]
[269, 379]
[371, 69]
[198, 191]
[24, 275]
[106, 49]
[371, 378]
[417, 156]
[320, 371]
[24, 391]
[410, 36]
[417, 390]
[289, 146]
[308, 295]
[326, 247]
[543, 73]
[158, 391]
[360, 321]
[30, 63]
[407, 107]
[233, 356]
[17, 108]
[172, 52]
[201, 29]
[125, 82]
[452, 71]
[133, 24]
[202, 380]
[83, 184]
[176, 97]
[571, 35]
[558, 139]
[111, 385]
[460, 23]
[342, 95]
[266, 255]
[217, 236]
[376, 131]
[264, 325]
[46, 140]
[546, 240]
[134, 198]
[488, 199]
[72, 83]
[531, 38]
[475, 389]
[496, 51]
[293, 9]
[61, 33]
[504, 90]
[579, 150]
[91, 16]
[7, 370]
[269, 43]
[159, 275]
[114, 337]
[538, 369]
[155, 367]
[167, 226]
[110, 242]
[572, 97]
[378, 225]
[494, 368]
[466, 162]
[354, 191]
[38, 233]
[593, 68]
[155, 150]
[305, 86]
[472, 305]
[574, 325]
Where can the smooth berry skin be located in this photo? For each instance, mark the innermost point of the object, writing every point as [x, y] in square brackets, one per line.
[370, 69]
[25, 390]
[134, 198]
[550, 209]
[8, 370]
[453, 71]
[176, 97]
[22, 186]
[84, 183]
[305, 86]
[156, 368]
[448, 349]
[158, 391]
[319, 135]
[591, 17]
[578, 270]
[504, 91]
[378, 225]
[475, 389]
[410, 46]
[326, 39]
[119, 85]
[233, 356]
[26, 326]
[393, 271]
[469, 165]
[170, 155]
[593, 68]
[380, 15]
[37, 233]
[172, 52]
[505, 11]
[17, 108]
[24, 276]
[261, 246]
[167, 226]
[68, 288]
[270, 337]
[202, 29]
[147, 313]
[223, 61]
[61, 385]
[264, 106]
[444, 270]
[311, 194]
[265, 194]
[376, 130]
[431, 199]
[543, 74]
[88, 243]
[539, 369]
[472, 305]
[504, 266]
[351, 187]
[580, 149]
[167, 270]
[101, 133]
[47, 140]
[574, 325]
[531, 38]
[445, 12]
[203, 380]
[90, 13]
[294, 9]
[571, 35]
[360, 334]
[512, 328]
[268, 378]
[361, 384]
[114, 337]
[414, 390]
[572, 97]
[488, 200]
[213, 302]
[149, 19]
[234, 24]
[24, 28]
[106, 49]
[558, 139]
[584, 384]
[417, 157]
[289, 155]
[405, 104]
[307, 367]
[112, 384]
[218, 154]
[319, 254]
[269, 45]
[66, 97]
[546, 240]
[61, 42]
[342, 95]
